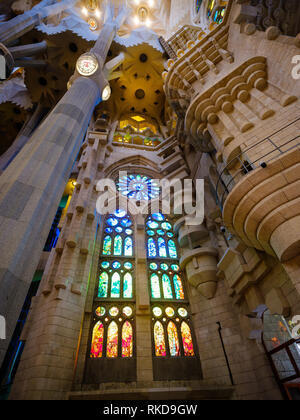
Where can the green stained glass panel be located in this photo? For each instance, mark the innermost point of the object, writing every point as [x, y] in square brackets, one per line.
[172, 249]
[164, 267]
[118, 245]
[105, 265]
[103, 285]
[128, 287]
[155, 289]
[107, 243]
[153, 266]
[115, 286]
[167, 288]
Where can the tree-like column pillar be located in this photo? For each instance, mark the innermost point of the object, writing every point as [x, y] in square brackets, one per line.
[32, 185]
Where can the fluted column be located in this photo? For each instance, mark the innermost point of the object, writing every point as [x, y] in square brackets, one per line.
[32, 185]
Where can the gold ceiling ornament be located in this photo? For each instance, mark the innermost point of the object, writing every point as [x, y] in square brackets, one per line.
[143, 13]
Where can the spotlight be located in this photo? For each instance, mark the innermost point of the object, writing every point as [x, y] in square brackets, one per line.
[223, 229]
[98, 14]
[85, 11]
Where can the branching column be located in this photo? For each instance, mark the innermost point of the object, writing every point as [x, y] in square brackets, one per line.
[32, 186]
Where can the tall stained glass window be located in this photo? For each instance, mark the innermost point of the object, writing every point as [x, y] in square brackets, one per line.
[116, 263]
[113, 324]
[172, 332]
[166, 281]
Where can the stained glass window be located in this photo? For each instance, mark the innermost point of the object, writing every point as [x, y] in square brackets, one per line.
[116, 277]
[165, 277]
[115, 326]
[167, 288]
[97, 341]
[172, 249]
[151, 248]
[128, 286]
[178, 287]
[173, 340]
[128, 247]
[107, 245]
[173, 325]
[103, 285]
[162, 248]
[138, 187]
[113, 323]
[127, 340]
[155, 286]
[112, 340]
[118, 245]
[159, 340]
[187, 340]
[115, 286]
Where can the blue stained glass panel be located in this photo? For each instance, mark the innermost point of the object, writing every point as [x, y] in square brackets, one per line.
[158, 217]
[161, 232]
[108, 230]
[151, 248]
[120, 213]
[126, 223]
[150, 232]
[153, 266]
[119, 229]
[162, 248]
[172, 249]
[166, 226]
[116, 265]
[152, 225]
[112, 221]
[128, 247]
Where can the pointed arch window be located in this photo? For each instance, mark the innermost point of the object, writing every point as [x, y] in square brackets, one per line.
[113, 326]
[113, 332]
[171, 325]
[116, 266]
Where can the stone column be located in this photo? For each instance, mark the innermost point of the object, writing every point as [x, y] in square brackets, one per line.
[143, 309]
[22, 138]
[32, 186]
[20, 25]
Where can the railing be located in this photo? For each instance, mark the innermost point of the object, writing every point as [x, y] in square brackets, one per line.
[225, 186]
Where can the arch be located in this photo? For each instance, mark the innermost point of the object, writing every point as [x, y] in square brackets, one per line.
[128, 286]
[155, 287]
[167, 288]
[115, 286]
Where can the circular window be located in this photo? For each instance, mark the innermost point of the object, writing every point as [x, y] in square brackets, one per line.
[114, 311]
[157, 312]
[170, 312]
[127, 311]
[183, 312]
[100, 311]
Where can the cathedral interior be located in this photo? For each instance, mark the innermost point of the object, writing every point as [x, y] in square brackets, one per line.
[126, 101]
